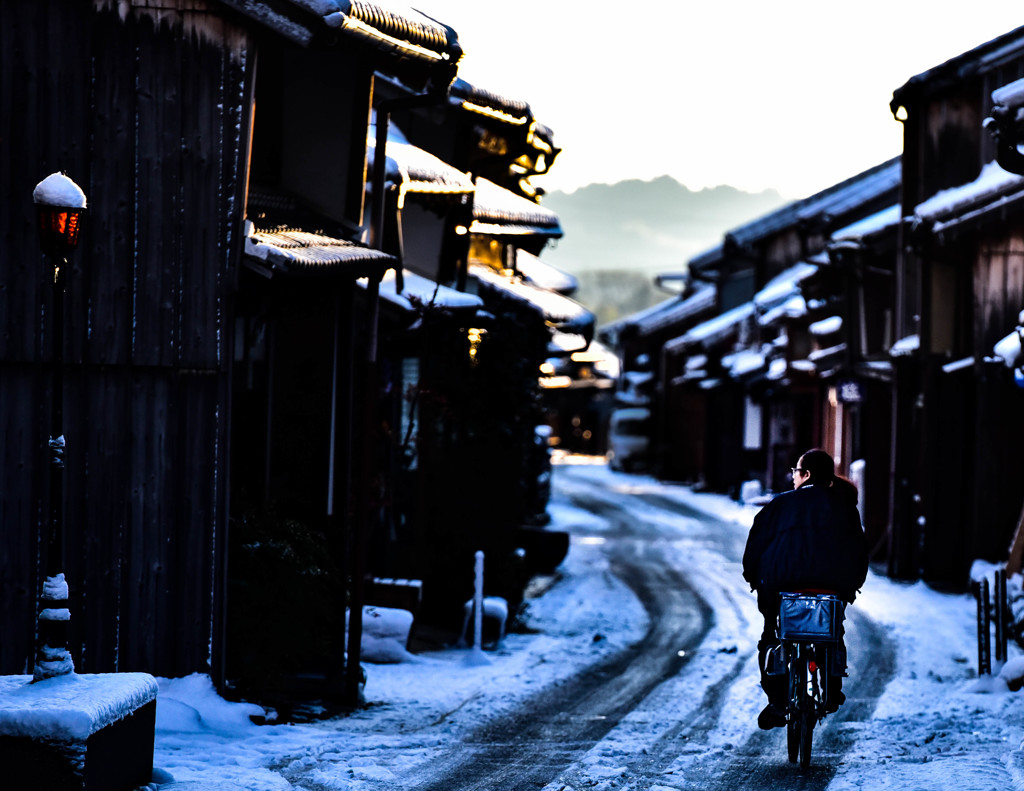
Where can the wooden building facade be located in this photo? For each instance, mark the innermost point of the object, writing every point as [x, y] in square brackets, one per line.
[218, 242]
[147, 111]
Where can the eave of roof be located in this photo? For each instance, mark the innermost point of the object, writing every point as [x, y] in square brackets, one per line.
[498, 211]
[416, 170]
[848, 195]
[300, 253]
[993, 187]
[394, 30]
[543, 275]
[560, 312]
[476, 99]
[678, 312]
[958, 68]
[835, 201]
[876, 223]
[713, 330]
[783, 286]
[417, 292]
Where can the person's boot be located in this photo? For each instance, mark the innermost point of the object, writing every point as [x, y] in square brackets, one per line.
[771, 716]
[834, 696]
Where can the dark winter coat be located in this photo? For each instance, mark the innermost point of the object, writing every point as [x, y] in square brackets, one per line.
[809, 538]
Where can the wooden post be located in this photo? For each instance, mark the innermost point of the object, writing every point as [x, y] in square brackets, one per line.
[984, 644]
[1013, 563]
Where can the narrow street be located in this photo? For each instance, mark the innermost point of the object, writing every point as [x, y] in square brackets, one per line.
[700, 649]
[634, 669]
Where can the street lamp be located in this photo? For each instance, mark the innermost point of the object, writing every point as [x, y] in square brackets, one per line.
[60, 205]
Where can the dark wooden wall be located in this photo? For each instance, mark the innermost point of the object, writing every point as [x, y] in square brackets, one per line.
[149, 116]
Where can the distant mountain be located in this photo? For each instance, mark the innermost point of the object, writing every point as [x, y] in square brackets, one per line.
[619, 236]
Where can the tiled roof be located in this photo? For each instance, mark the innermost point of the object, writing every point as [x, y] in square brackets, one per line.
[833, 203]
[543, 275]
[392, 28]
[679, 312]
[416, 170]
[978, 60]
[499, 211]
[420, 291]
[390, 21]
[298, 252]
[511, 110]
[560, 312]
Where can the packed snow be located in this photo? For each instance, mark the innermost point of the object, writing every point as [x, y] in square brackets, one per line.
[936, 726]
[70, 707]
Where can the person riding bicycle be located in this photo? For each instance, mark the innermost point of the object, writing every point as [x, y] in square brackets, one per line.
[809, 539]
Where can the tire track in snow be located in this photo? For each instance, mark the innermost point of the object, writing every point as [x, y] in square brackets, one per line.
[551, 732]
[762, 762]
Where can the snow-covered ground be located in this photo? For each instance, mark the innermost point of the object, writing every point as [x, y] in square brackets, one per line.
[935, 727]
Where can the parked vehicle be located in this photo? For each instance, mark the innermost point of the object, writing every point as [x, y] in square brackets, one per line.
[629, 432]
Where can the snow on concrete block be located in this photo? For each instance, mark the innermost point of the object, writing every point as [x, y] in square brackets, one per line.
[750, 491]
[385, 637]
[72, 732]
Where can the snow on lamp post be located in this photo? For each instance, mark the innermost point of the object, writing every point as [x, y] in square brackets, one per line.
[60, 205]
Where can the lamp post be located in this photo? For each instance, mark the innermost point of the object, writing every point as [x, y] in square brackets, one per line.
[60, 205]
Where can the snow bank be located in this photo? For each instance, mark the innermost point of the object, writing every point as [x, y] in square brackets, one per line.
[385, 636]
[192, 705]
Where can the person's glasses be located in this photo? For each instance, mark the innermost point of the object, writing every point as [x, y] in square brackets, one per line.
[794, 470]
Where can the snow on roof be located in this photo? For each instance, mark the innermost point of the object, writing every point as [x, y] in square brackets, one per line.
[991, 183]
[418, 290]
[1009, 95]
[835, 201]
[958, 365]
[500, 211]
[744, 362]
[543, 275]
[905, 346]
[71, 707]
[783, 286]
[674, 312]
[474, 98]
[563, 343]
[414, 169]
[792, 308]
[717, 328]
[564, 313]
[1009, 349]
[60, 191]
[300, 252]
[879, 221]
[822, 354]
[826, 326]
[854, 192]
[777, 369]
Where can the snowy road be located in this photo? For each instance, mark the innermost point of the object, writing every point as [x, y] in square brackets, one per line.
[651, 542]
[553, 731]
[638, 673]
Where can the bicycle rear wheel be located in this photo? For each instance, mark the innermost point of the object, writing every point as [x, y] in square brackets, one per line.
[793, 740]
[806, 732]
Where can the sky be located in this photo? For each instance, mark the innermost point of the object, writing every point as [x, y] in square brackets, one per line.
[791, 95]
[936, 725]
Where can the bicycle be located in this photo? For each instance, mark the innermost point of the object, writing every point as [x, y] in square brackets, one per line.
[810, 628]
